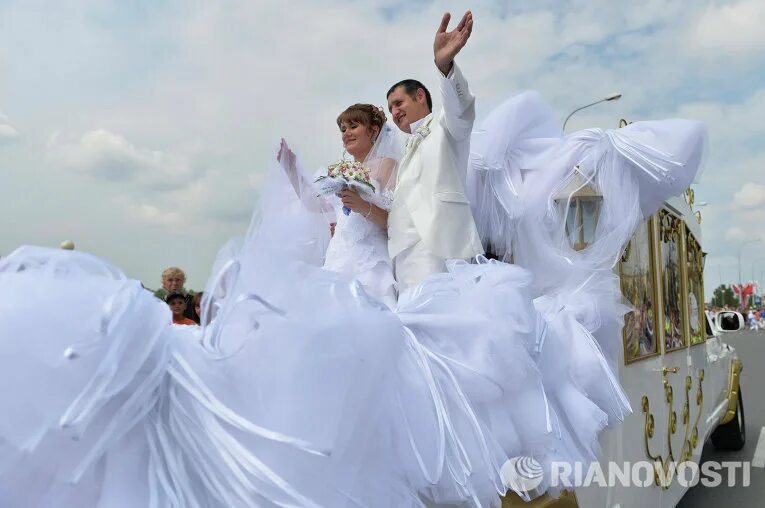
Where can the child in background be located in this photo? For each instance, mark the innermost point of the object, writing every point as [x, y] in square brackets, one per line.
[177, 304]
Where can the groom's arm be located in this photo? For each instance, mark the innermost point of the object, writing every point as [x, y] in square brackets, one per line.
[458, 102]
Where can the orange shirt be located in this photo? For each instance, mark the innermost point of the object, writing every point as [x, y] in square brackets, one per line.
[183, 321]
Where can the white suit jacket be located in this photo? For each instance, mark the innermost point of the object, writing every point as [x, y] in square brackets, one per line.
[429, 203]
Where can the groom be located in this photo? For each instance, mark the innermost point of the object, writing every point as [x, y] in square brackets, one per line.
[431, 220]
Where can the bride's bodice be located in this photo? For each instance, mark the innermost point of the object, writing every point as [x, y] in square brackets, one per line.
[357, 237]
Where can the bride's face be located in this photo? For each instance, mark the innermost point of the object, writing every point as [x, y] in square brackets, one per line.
[357, 138]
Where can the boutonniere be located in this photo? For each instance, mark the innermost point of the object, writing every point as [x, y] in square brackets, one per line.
[423, 130]
[419, 134]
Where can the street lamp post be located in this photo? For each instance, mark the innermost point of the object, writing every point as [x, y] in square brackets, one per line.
[740, 282]
[609, 98]
[754, 262]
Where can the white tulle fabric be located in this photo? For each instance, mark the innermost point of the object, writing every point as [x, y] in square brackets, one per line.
[303, 388]
[503, 147]
[635, 169]
[302, 391]
[111, 406]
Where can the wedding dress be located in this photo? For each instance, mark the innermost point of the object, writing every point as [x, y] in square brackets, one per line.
[307, 385]
[359, 247]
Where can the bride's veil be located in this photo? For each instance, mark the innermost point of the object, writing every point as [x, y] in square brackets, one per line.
[384, 157]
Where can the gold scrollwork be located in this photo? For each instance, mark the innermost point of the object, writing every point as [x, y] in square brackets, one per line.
[691, 438]
[691, 433]
[690, 196]
[695, 288]
[695, 256]
[670, 225]
[648, 435]
[658, 460]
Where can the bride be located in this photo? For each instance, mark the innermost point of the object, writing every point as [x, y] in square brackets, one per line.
[359, 244]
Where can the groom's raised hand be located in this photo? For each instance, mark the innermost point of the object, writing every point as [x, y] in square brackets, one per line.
[448, 44]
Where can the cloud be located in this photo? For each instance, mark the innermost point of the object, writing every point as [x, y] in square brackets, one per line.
[149, 214]
[749, 196]
[8, 134]
[735, 234]
[213, 201]
[107, 156]
[754, 217]
[734, 168]
[730, 29]
[174, 108]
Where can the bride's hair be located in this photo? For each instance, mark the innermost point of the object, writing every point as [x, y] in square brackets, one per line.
[365, 114]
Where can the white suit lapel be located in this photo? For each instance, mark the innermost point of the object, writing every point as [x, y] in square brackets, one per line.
[414, 142]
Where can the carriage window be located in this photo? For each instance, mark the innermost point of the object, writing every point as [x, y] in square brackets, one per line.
[695, 271]
[671, 281]
[636, 274]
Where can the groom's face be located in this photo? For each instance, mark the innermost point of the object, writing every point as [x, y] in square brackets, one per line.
[406, 108]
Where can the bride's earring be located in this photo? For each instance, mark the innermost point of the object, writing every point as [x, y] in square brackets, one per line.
[342, 157]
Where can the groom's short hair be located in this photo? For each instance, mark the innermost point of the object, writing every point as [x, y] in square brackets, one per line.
[410, 87]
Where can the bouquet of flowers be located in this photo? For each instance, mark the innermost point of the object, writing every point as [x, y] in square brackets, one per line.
[345, 174]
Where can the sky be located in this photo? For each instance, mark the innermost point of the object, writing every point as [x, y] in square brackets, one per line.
[142, 130]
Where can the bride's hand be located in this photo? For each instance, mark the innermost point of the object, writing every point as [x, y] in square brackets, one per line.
[448, 44]
[352, 200]
[286, 157]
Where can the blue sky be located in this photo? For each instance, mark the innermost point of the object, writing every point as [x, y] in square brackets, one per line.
[141, 130]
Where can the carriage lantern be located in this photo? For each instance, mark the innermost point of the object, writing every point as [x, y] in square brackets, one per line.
[584, 204]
